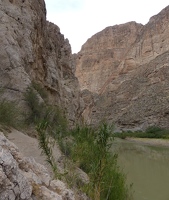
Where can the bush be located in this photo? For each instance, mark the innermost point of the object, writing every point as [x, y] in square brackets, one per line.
[153, 129]
[157, 132]
[114, 182]
[46, 144]
[9, 114]
[41, 91]
[150, 132]
[57, 122]
[32, 100]
[90, 150]
[88, 147]
[39, 111]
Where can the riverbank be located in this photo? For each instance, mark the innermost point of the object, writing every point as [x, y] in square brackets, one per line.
[150, 141]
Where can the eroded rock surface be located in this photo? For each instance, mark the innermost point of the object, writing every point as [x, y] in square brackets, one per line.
[33, 49]
[101, 55]
[127, 66]
[23, 178]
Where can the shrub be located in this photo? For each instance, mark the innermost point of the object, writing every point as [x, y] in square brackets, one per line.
[41, 91]
[46, 144]
[56, 120]
[88, 147]
[153, 129]
[90, 150]
[40, 111]
[32, 100]
[9, 114]
[150, 132]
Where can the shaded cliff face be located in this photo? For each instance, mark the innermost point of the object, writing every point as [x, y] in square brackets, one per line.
[33, 49]
[134, 94]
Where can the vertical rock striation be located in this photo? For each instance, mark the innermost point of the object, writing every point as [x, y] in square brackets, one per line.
[33, 49]
[127, 66]
[101, 55]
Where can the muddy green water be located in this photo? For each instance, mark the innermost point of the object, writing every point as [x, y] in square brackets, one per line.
[147, 167]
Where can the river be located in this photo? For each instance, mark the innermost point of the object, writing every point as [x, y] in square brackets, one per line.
[146, 167]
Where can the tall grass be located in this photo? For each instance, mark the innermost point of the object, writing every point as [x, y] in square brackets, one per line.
[87, 147]
[46, 144]
[91, 152]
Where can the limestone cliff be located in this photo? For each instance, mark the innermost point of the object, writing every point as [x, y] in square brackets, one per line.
[101, 55]
[127, 66]
[33, 49]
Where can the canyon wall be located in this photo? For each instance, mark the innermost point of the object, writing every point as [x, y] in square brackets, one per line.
[101, 55]
[34, 50]
[126, 68]
[122, 70]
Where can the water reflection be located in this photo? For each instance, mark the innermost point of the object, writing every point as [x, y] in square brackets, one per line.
[147, 167]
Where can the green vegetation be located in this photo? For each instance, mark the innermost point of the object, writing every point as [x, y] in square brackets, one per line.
[85, 147]
[150, 132]
[41, 91]
[9, 114]
[34, 115]
[91, 152]
[41, 111]
[46, 144]
[89, 149]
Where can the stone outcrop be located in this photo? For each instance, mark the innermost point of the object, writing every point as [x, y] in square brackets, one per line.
[127, 66]
[23, 178]
[33, 49]
[101, 55]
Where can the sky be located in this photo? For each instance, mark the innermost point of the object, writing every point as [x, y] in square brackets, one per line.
[78, 20]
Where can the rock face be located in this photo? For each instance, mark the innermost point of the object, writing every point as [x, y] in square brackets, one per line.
[101, 55]
[127, 67]
[23, 178]
[33, 49]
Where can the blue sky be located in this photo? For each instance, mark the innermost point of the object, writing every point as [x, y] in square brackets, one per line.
[80, 19]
